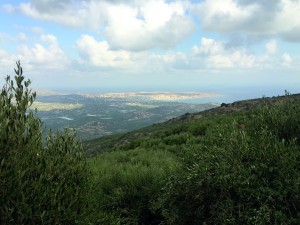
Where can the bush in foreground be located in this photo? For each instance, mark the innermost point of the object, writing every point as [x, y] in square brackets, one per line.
[41, 183]
[245, 171]
[126, 183]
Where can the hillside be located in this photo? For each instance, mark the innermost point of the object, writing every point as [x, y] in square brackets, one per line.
[106, 143]
[235, 164]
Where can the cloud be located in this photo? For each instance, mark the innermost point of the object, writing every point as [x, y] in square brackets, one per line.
[49, 38]
[292, 35]
[68, 13]
[43, 62]
[271, 47]
[47, 6]
[286, 59]
[155, 24]
[4, 36]
[47, 55]
[21, 36]
[129, 25]
[224, 15]
[37, 30]
[99, 53]
[209, 55]
[252, 18]
[2, 53]
[6, 62]
[9, 8]
[213, 54]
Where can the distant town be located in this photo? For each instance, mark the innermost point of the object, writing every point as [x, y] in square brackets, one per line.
[158, 96]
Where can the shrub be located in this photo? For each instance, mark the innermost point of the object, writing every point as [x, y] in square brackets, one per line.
[240, 174]
[126, 183]
[40, 183]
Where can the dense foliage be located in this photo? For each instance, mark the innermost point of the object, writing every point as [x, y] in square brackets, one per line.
[244, 171]
[239, 168]
[41, 183]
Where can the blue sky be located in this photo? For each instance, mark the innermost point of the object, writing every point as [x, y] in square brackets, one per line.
[153, 44]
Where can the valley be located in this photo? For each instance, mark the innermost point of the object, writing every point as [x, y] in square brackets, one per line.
[97, 115]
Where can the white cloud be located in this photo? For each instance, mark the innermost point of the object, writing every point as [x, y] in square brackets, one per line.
[9, 8]
[49, 38]
[37, 30]
[21, 36]
[286, 59]
[99, 53]
[209, 55]
[223, 15]
[252, 18]
[68, 13]
[155, 24]
[271, 47]
[46, 57]
[287, 20]
[142, 25]
[208, 47]
[4, 36]
[2, 53]
[213, 54]
[6, 62]
[129, 25]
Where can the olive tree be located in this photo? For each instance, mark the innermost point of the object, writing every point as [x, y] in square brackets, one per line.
[41, 182]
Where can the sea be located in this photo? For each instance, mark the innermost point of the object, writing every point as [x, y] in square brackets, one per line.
[224, 94]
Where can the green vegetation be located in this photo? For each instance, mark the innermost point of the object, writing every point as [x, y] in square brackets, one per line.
[240, 167]
[46, 106]
[126, 183]
[41, 183]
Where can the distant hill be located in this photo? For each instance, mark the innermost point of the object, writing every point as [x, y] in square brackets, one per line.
[93, 116]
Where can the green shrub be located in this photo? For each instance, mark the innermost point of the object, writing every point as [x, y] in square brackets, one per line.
[199, 128]
[126, 183]
[246, 171]
[282, 119]
[40, 183]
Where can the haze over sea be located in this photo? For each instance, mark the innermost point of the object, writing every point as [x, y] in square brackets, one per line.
[225, 94]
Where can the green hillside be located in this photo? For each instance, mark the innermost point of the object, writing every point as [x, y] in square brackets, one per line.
[236, 164]
[110, 142]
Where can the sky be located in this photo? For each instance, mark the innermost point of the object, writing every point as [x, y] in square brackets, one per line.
[153, 44]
